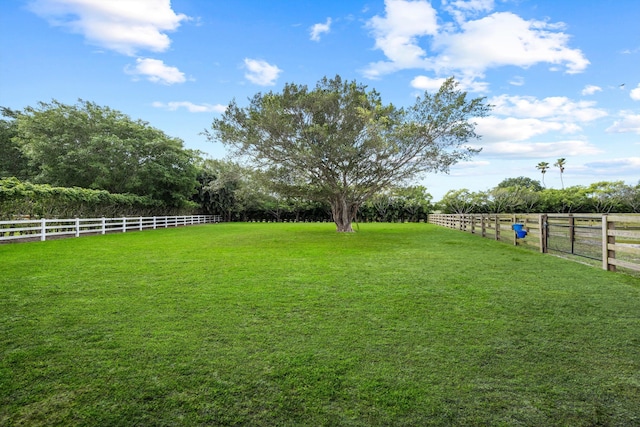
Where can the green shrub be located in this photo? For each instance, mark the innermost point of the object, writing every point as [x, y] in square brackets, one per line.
[24, 199]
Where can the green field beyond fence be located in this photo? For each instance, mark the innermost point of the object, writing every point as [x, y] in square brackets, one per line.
[295, 324]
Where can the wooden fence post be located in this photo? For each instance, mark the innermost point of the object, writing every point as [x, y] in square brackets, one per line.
[483, 228]
[77, 227]
[542, 223]
[608, 244]
[497, 227]
[43, 230]
[572, 232]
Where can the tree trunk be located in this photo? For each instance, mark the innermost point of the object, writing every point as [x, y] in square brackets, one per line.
[343, 214]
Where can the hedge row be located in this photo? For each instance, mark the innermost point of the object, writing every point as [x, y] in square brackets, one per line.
[23, 199]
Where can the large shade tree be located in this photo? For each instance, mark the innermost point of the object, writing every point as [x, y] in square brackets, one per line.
[13, 161]
[338, 143]
[90, 146]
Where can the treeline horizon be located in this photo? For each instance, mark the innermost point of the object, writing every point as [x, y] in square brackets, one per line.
[526, 195]
[87, 160]
[227, 192]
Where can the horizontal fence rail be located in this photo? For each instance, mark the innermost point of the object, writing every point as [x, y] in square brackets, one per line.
[612, 239]
[620, 242]
[43, 229]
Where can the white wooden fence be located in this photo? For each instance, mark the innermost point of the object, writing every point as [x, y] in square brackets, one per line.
[42, 229]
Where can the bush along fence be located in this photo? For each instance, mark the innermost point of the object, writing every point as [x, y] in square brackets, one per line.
[43, 229]
[19, 198]
[612, 239]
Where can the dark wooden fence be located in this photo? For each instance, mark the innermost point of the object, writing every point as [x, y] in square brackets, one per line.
[612, 239]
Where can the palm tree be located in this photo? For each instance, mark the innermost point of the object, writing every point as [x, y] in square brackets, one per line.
[560, 164]
[543, 166]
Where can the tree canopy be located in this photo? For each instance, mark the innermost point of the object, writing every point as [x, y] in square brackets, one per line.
[599, 197]
[90, 146]
[338, 143]
[13, 162]
[320, 154]
[521, 181]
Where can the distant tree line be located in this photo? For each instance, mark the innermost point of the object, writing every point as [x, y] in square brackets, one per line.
[528, 196]
[87, 160]
[63, 160]
[240, 193]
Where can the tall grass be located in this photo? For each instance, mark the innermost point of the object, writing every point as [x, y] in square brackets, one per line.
[294, 324]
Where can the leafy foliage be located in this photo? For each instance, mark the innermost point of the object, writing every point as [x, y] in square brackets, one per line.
[402, 204]
[227, 188]
[19, 199]
[13, 162]
[89, 146]
[521, 181]
[599, 197]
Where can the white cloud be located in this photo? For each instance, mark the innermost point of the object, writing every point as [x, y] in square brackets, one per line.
[123, 26]
[494, 129]
[590, 90]
[635, 93]
[518, 123]
[517, 81]
[540, 149]
[191, 107]
[628, 162]
[156, 71]
[516, 120]
[261, 72]
[557, 108]
[318, 29]
[471, 47]
[506, 39]
[471, 164]
[617, 166]
[463, 9]
[433, 84]
[396, 34]
[427, 83]
[630, 123]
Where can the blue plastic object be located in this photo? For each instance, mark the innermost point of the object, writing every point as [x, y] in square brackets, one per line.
[518, 228]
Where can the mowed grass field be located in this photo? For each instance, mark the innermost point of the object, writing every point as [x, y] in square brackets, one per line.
[295, 324]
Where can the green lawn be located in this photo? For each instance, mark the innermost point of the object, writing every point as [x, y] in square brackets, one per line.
[295, 324]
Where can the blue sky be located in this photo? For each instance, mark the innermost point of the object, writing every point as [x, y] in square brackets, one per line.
[564, 76]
